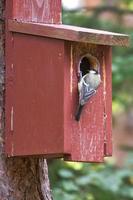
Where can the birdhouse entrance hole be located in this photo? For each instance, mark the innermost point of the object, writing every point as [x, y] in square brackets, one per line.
[87, 63]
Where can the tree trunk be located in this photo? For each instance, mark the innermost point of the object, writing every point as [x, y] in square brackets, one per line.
[20, 178]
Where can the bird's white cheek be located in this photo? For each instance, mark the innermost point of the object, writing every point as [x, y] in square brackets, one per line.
[79, 86]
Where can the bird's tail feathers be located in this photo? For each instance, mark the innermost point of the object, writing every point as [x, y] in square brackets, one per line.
[78, 112]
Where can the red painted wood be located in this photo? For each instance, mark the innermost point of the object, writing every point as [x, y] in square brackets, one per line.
[45, 100]
[71, 33]
[41, 89]
[84, 140]
[107, 68]
[87, 135]
[42, 11]
[38, 98]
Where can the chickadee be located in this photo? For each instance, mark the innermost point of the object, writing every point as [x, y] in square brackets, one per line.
[87, 88]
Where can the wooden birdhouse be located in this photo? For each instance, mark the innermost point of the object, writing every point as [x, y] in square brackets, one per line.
[43, 62]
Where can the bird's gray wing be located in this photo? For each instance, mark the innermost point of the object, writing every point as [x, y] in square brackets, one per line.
[86, 93]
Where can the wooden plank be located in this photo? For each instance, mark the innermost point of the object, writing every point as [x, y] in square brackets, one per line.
[107, 82]
[70, 33]
[38, 112]
[43, 11]
[86, 137]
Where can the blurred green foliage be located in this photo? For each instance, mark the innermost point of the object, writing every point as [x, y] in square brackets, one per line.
[83, 181]
[80, 181]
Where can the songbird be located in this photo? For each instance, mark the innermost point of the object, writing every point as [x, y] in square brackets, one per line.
[87, 87]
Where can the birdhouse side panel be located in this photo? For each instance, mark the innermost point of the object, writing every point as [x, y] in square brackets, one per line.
[36, 113]
[107, 71]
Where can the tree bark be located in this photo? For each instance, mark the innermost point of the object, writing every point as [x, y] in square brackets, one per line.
[20, 178]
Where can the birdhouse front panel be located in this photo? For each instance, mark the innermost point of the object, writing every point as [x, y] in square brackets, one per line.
[90, 137]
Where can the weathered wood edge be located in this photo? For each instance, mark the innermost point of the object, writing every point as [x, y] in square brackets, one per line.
[70, 33]
[38, 11]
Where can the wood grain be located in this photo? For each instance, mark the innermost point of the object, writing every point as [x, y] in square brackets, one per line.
[71, 33]
[37, 97]
[86, 137]
[43, 11]
[107, 82]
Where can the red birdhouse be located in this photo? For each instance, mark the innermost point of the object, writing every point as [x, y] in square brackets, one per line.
[43, 62]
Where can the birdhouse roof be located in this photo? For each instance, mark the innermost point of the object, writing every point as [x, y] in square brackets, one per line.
[70, 33]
